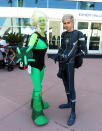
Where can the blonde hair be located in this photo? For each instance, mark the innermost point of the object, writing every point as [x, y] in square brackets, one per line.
[68, 16]
[35, 16]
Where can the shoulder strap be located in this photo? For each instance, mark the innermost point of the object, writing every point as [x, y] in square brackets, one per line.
[36, 39]
[41, 37]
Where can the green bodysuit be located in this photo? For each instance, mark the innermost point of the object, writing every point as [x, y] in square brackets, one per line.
[36, 53]
[37, 74]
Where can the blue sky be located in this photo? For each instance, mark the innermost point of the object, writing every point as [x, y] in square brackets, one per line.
[52, 4]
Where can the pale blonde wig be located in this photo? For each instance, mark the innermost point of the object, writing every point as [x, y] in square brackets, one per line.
[35, 16]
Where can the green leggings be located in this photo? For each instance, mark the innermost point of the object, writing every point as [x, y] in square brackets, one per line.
[37, 77]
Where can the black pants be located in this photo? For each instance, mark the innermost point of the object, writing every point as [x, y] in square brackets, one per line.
[68, 81]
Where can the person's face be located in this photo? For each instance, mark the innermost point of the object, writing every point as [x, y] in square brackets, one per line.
[41, 23]
[68, 25]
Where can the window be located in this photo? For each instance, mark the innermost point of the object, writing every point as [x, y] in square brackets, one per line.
[54, 34]
[17, 25]
[95, 36]
[83, 27]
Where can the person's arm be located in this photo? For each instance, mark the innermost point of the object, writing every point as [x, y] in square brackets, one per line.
[13, 53]
[65, 56]
[62, 41]
[32, 41]
[82, 45]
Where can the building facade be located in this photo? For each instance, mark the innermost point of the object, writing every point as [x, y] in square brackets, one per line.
[15, 17]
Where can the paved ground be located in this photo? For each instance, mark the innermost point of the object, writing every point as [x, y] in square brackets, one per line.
[16, 90]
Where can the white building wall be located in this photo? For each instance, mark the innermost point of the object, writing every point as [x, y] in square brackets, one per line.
[55, 14]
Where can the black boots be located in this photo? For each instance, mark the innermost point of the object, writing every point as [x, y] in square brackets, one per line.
[72, 117]
[62, 106]
[68, 105]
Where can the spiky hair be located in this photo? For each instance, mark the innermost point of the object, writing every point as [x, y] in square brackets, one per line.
[68, 16]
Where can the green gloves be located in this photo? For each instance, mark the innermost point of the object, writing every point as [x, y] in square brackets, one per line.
[24, 56]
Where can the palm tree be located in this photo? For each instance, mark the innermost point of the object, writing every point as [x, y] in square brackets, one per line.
[10, 2]
[36, 1]
[20, 4]
[87, 5]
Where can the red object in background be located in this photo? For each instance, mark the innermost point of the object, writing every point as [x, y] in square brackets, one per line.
[5, 58]
[25, 67]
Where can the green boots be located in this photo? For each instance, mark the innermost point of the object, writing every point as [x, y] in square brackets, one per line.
[38, 116]
[45, 105]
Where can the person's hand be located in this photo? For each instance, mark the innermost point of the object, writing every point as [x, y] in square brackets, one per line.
[64, 58]
[60, 50]
[23, 56]
[54, 57]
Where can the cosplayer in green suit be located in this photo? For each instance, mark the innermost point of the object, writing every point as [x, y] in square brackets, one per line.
[38, 45]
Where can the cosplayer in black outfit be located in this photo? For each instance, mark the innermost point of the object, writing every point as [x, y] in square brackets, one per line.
[72, 45]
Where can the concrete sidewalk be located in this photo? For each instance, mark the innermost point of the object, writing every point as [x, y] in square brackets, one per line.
[16, 91]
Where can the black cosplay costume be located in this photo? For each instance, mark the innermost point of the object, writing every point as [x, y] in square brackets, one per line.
[72, 45]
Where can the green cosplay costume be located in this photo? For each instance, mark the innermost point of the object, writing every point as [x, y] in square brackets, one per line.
[38, 46]
[36, 75]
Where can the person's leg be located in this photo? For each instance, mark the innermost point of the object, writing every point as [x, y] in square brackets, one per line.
[66, 85]
[4, 54]
[37, 113]
[60, 71]
[45, 105]
[72, 117]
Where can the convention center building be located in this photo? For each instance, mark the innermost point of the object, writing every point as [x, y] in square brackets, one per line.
[15, 17]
